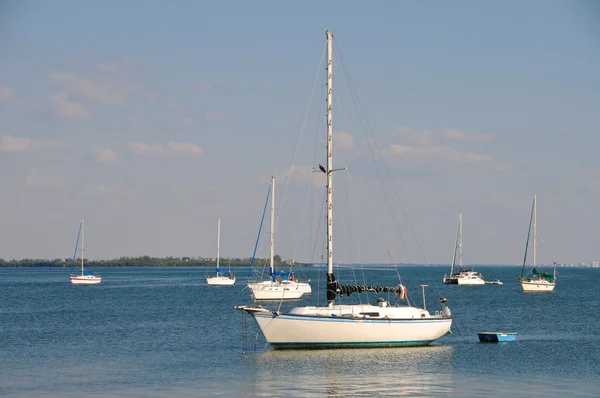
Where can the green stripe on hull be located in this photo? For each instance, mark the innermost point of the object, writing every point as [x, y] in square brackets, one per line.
[360, 344]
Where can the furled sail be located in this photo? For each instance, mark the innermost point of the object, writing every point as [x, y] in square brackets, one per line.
[334, 288]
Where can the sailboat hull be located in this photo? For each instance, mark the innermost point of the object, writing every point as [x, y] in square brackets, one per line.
[268, 290]
[298, 331]
[85, 279]
[220, 281]
[537, 286]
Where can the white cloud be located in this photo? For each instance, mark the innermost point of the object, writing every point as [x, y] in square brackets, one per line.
[6, 93]
[205, 86]
[62, 105]
[343, 140]
[169, 149]
[428, 137]
[105, 155]
[101, 89]
[9, 143]
[115, 66]
[95, 190]
[444, 156]
[36, 178]
[213, 116]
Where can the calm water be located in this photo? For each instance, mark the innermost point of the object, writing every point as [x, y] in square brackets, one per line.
[148, 332]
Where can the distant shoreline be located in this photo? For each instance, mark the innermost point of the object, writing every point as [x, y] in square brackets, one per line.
[147, 261]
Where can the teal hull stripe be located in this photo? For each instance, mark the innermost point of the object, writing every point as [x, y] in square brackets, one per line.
[356, 344]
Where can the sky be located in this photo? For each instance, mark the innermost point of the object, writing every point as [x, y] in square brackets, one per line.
[154, 119]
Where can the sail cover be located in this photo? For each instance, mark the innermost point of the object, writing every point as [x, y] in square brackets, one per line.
[334, 288]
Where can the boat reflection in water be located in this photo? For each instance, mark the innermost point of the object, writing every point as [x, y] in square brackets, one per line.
[413, 371]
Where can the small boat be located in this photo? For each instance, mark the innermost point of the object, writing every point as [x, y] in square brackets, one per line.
[496, 337]
[86, 277]
[222, 278]
[535, 280]
[463, 276]
[281, 285]
[494, 282]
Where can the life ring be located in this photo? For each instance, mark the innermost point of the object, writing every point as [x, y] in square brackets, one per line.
[402, 292]
[292, 277]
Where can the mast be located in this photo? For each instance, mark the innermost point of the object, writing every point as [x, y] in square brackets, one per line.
[81, 246]
[460, 259]
[534, 229]
[528, 236]
[329, 155]
[272, 251]
[455, 247]
[218, 241]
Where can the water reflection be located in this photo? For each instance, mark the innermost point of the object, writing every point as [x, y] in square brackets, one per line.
[418, 371]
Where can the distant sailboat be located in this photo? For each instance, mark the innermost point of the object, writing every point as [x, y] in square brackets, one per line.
[463, 276]
[222, 278]
[534, 280]
[281, 285]
[86, 277]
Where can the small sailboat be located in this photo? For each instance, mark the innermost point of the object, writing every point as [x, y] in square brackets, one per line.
[281, 285]
[348, 325]
[463, 276]
[535, 280]
[85, 277]
[222, 278]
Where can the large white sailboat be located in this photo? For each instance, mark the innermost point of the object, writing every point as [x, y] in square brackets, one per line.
[85, 277]
[534, 280]
[353, 325]
[280, 285]
[222, 278]
[463, 276]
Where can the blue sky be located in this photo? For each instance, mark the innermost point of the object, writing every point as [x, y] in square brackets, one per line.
[153, 119]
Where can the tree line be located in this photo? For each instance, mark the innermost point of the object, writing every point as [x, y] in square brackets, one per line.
[145, 261]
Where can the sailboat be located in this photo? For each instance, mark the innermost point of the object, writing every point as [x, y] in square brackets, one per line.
[352, 325]
[222, 278]
[281, 285]
[85, 277]
[463, 276]
[534, 280]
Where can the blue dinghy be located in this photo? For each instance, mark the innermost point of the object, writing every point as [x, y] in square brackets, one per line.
[495, 337]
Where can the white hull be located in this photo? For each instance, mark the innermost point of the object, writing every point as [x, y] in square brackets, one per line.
[537, 286]
[220, 281]
[85, 279]
[471, 281]
[336, 327]
[268, 290]
[465, 278]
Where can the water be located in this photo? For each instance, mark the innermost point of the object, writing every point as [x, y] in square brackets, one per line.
[154, 332]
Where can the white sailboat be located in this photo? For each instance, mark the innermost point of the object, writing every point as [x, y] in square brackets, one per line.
[534, 280]
[85, 277]
[463, 276]
[222, 278]
[354, 325]
[280, 285]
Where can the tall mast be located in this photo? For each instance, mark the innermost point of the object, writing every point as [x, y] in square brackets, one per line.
[534, 229]
[81, 246]
[460, 260]
[272, 254]
[218, 241]
[329, 154]
[455, 247]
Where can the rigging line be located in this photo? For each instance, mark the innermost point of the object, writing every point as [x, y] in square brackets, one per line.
[398, 274]
[359, 107]
[300, 134]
